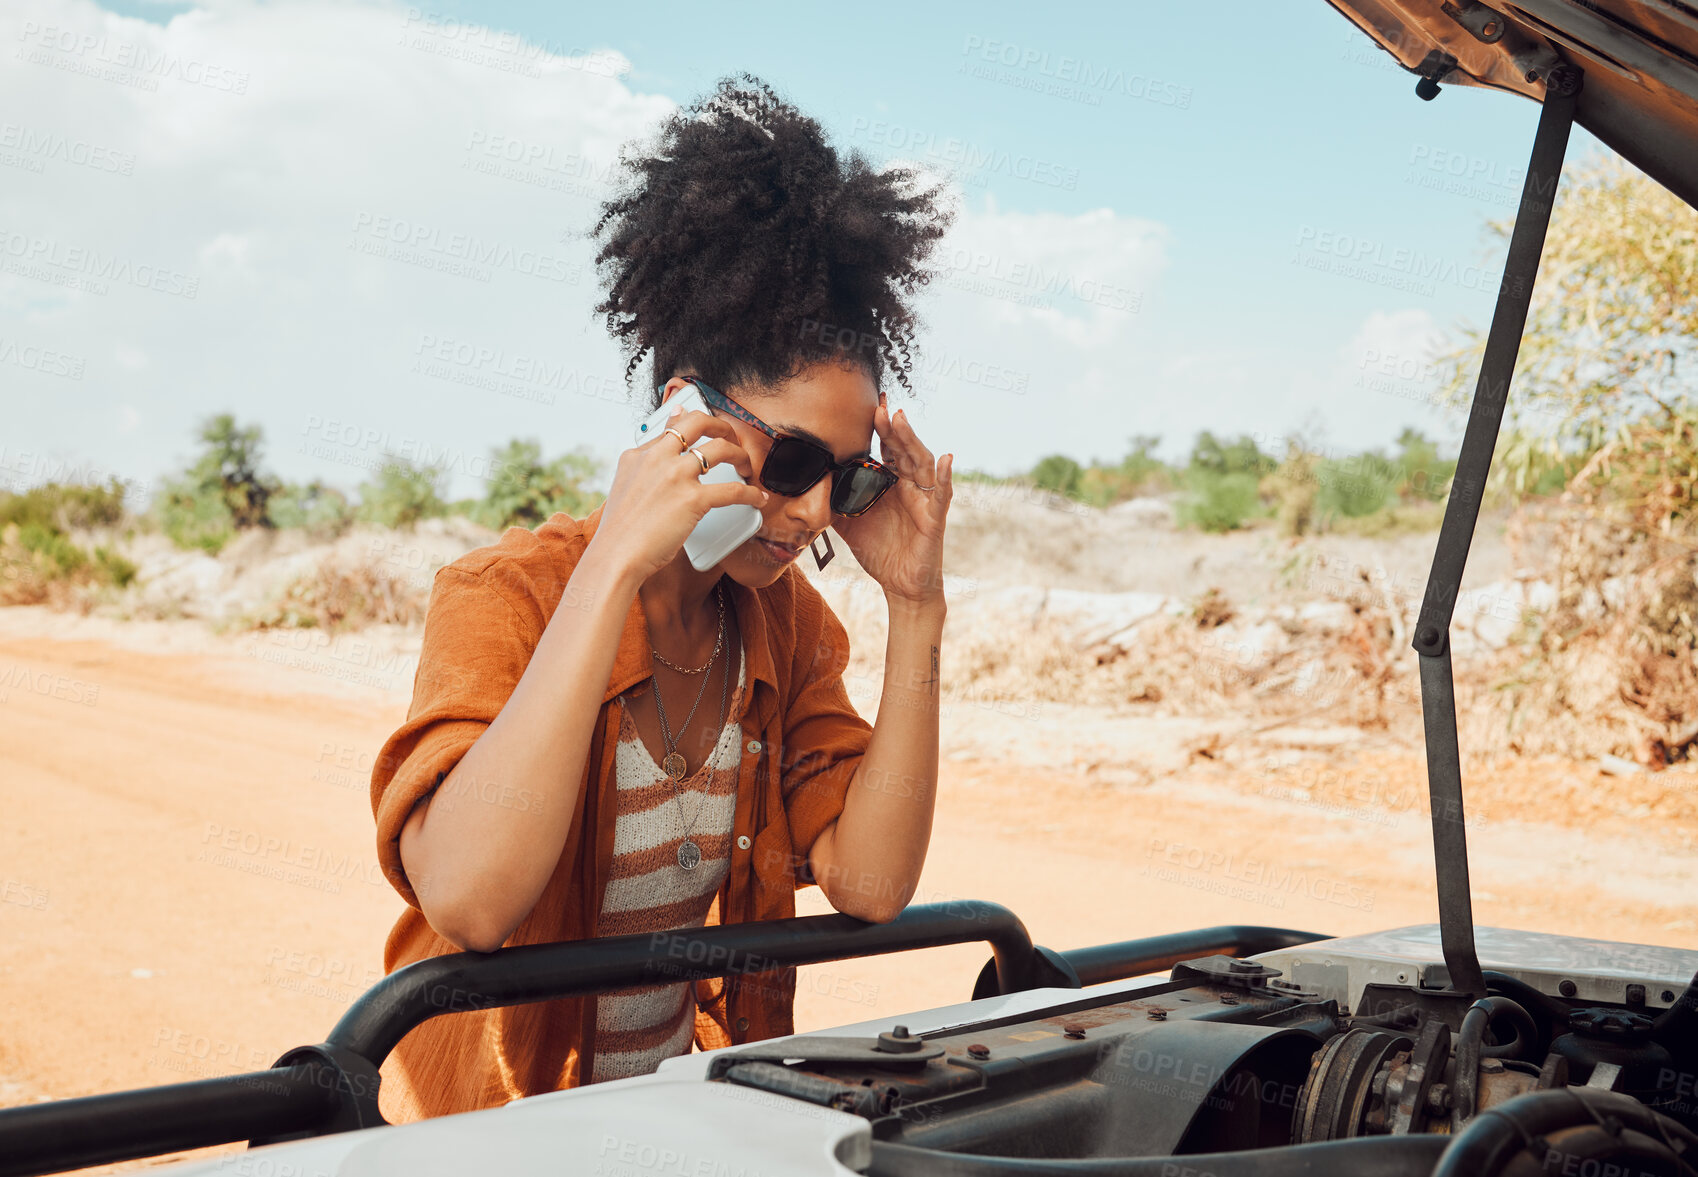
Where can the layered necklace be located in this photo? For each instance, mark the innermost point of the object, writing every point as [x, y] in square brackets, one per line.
[690, 854]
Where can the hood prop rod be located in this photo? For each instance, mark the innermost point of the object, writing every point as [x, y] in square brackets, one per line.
[1456, 534]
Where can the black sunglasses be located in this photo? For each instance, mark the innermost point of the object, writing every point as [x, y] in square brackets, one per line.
[794, 464]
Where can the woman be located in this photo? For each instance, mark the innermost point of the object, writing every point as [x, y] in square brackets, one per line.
[603, 740]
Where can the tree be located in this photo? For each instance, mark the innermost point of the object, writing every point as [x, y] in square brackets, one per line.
[1240, 455]
[1603, 399]
[223, 491]
[402, 493]
[1606, 362]
[525, 491]
[1422, 474]
[1057, 473]
[1140, 465]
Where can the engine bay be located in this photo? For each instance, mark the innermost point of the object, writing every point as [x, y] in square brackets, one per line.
[1333, 1057]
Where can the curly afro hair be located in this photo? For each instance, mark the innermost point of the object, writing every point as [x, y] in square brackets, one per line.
[744, 249]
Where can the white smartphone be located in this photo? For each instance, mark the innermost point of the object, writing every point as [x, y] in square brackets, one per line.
[724, 529]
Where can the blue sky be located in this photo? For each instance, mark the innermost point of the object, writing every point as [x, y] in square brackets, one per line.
[1230, 217]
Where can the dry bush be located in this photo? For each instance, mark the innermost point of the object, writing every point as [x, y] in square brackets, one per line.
[41, 566]
[1192, 664]
[1613, 666]
[337, 596]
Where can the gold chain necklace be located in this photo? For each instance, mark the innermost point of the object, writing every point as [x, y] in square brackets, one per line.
[674, 764]
[719, 599]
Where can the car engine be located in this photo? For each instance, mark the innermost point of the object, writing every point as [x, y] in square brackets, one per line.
[1348, 1056]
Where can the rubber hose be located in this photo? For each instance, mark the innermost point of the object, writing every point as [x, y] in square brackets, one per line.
[1466, 1082]
[1494, 1138]
[1372, 1156]
[1526, 1043]
[1680, 1019]
[1549, 1013]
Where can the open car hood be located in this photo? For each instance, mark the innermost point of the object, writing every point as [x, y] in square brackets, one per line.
[1640, 58]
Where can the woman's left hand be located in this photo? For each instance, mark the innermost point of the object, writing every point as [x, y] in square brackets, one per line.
[900, 541]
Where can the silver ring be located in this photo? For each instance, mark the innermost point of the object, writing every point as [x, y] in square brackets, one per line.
[682, 444]
[697, 454]
[928, 489]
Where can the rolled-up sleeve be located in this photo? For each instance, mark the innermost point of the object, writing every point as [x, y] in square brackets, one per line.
[824, 736]
[475, 650]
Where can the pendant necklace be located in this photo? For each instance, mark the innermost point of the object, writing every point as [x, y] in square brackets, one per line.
[673, 764]
[690, 854]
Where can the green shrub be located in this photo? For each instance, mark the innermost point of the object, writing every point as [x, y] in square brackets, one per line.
[1353, 487]
[65, 506]
[39, 564]
[1058, 473]
[402, 493]
[194, 515]
[1396, 519]
[319, 510]
[1214, 500]
[525, 491]
[1239, 455]
[1103, 486]
[1425, 476]
[113, 568]
[1141, 468]
[56, 556]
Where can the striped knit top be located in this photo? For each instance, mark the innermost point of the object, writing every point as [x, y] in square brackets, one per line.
[647, 891]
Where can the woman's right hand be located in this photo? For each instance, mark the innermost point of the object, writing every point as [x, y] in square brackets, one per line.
[657, 497]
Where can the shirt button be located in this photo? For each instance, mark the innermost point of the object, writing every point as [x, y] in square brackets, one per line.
[754, 745]
[742, 1025]
[742, 841]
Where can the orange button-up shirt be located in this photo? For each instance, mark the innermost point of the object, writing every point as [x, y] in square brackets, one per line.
[487, 613]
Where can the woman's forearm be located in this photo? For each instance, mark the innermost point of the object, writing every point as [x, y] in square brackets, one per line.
[868, 864]
[481, 849]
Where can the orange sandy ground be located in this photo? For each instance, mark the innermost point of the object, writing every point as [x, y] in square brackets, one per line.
[137, 949]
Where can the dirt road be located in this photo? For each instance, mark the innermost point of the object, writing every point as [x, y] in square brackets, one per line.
[188, 884]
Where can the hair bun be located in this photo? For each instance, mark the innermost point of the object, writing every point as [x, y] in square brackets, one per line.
[741, 244]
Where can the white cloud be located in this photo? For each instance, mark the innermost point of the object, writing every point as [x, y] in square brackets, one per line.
[1034, 331]
[284, 209]
[362, 227]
